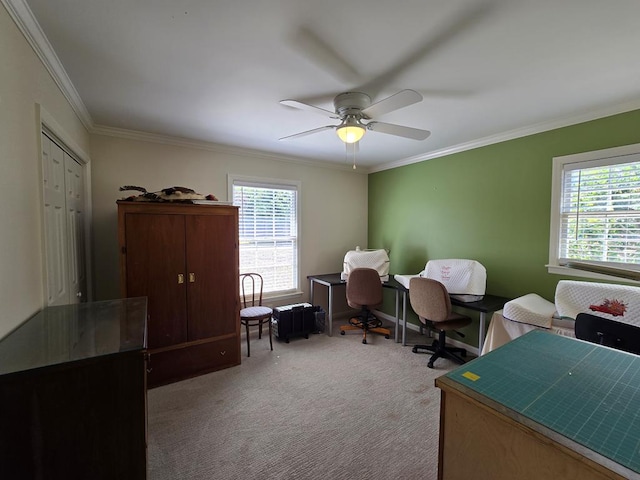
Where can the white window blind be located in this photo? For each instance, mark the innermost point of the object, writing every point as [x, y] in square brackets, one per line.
[600, 213]
[268, 232]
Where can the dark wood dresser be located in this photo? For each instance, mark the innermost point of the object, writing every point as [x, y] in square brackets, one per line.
[73, 393]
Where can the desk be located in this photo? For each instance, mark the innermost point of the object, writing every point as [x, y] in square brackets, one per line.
[331, 280]
[542, 406]
[488, 304]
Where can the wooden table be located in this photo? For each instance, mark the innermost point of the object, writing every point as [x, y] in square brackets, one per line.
[542, 406]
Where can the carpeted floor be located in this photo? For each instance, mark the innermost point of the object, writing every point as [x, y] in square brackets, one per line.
[317, 408]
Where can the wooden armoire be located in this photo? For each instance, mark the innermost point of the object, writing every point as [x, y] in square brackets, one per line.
[184, 259]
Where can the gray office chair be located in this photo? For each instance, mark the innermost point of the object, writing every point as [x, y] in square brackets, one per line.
[364, 291]
[253, 313]
[430, 300]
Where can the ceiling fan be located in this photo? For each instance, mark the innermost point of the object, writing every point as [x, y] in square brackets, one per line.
[357, 115]
[353, 108]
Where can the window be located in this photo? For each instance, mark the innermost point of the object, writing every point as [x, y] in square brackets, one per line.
[595, 218]
[268, 231]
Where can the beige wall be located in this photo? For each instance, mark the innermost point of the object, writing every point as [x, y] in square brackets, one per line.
[24, 83]
[333, 202]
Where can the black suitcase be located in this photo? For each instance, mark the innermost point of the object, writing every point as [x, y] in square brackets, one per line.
[296, 320]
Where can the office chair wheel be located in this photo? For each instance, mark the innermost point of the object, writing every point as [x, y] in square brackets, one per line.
[387, 337]
[364, 340]
[342, 332]
[430, 364]
[414, 349]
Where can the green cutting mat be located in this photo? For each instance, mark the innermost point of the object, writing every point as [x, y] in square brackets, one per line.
[585, 392]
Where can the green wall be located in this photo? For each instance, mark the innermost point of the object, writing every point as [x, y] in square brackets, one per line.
[491, 204]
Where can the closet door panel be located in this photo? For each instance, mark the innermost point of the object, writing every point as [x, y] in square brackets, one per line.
[63, 213]
[55, 223]
[74, 188]
[155, 246]
[212, 258]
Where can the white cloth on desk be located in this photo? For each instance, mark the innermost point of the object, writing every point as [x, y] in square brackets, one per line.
[376, 259]
[465, 280]
[615, 302]
[620, 303]
[502, 331]
[531, 309]
[404, 280]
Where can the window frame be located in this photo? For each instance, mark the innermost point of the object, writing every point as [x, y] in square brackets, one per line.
[608, 155]
[274, 183]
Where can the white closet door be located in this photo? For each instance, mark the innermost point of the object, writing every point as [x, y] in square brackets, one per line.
[55, 222]
[74, 187]
[63, 187]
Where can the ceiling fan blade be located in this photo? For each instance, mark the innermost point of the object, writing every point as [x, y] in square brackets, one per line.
[308, 132]
[305, 106]
[455, 27]
[324, 56]
[402, 99]
[398, 130]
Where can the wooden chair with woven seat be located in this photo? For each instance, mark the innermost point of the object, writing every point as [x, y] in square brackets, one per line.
[430, 300]
[253, 313]
[364, 291]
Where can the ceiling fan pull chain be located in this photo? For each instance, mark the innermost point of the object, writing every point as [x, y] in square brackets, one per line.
[346, 154]
[354, 156]
[353, 152]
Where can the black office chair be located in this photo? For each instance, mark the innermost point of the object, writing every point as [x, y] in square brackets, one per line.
[364, 291]
[610, 333]
[430, 300]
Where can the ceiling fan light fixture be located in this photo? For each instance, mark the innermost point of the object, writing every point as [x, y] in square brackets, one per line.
[350, 133]
[351, 130]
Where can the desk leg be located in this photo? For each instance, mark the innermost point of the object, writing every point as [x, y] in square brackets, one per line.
[330, 312]
[404, 318]
[397, 339]
[481, 333]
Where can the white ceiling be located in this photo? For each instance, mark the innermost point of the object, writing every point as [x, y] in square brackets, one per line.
[215, 71]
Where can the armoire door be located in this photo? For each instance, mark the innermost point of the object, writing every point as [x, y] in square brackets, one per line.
[155, 253]
[212, 261]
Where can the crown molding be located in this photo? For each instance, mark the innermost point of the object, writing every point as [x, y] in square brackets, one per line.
[30, 28]
[215, 147]
[513, 134]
